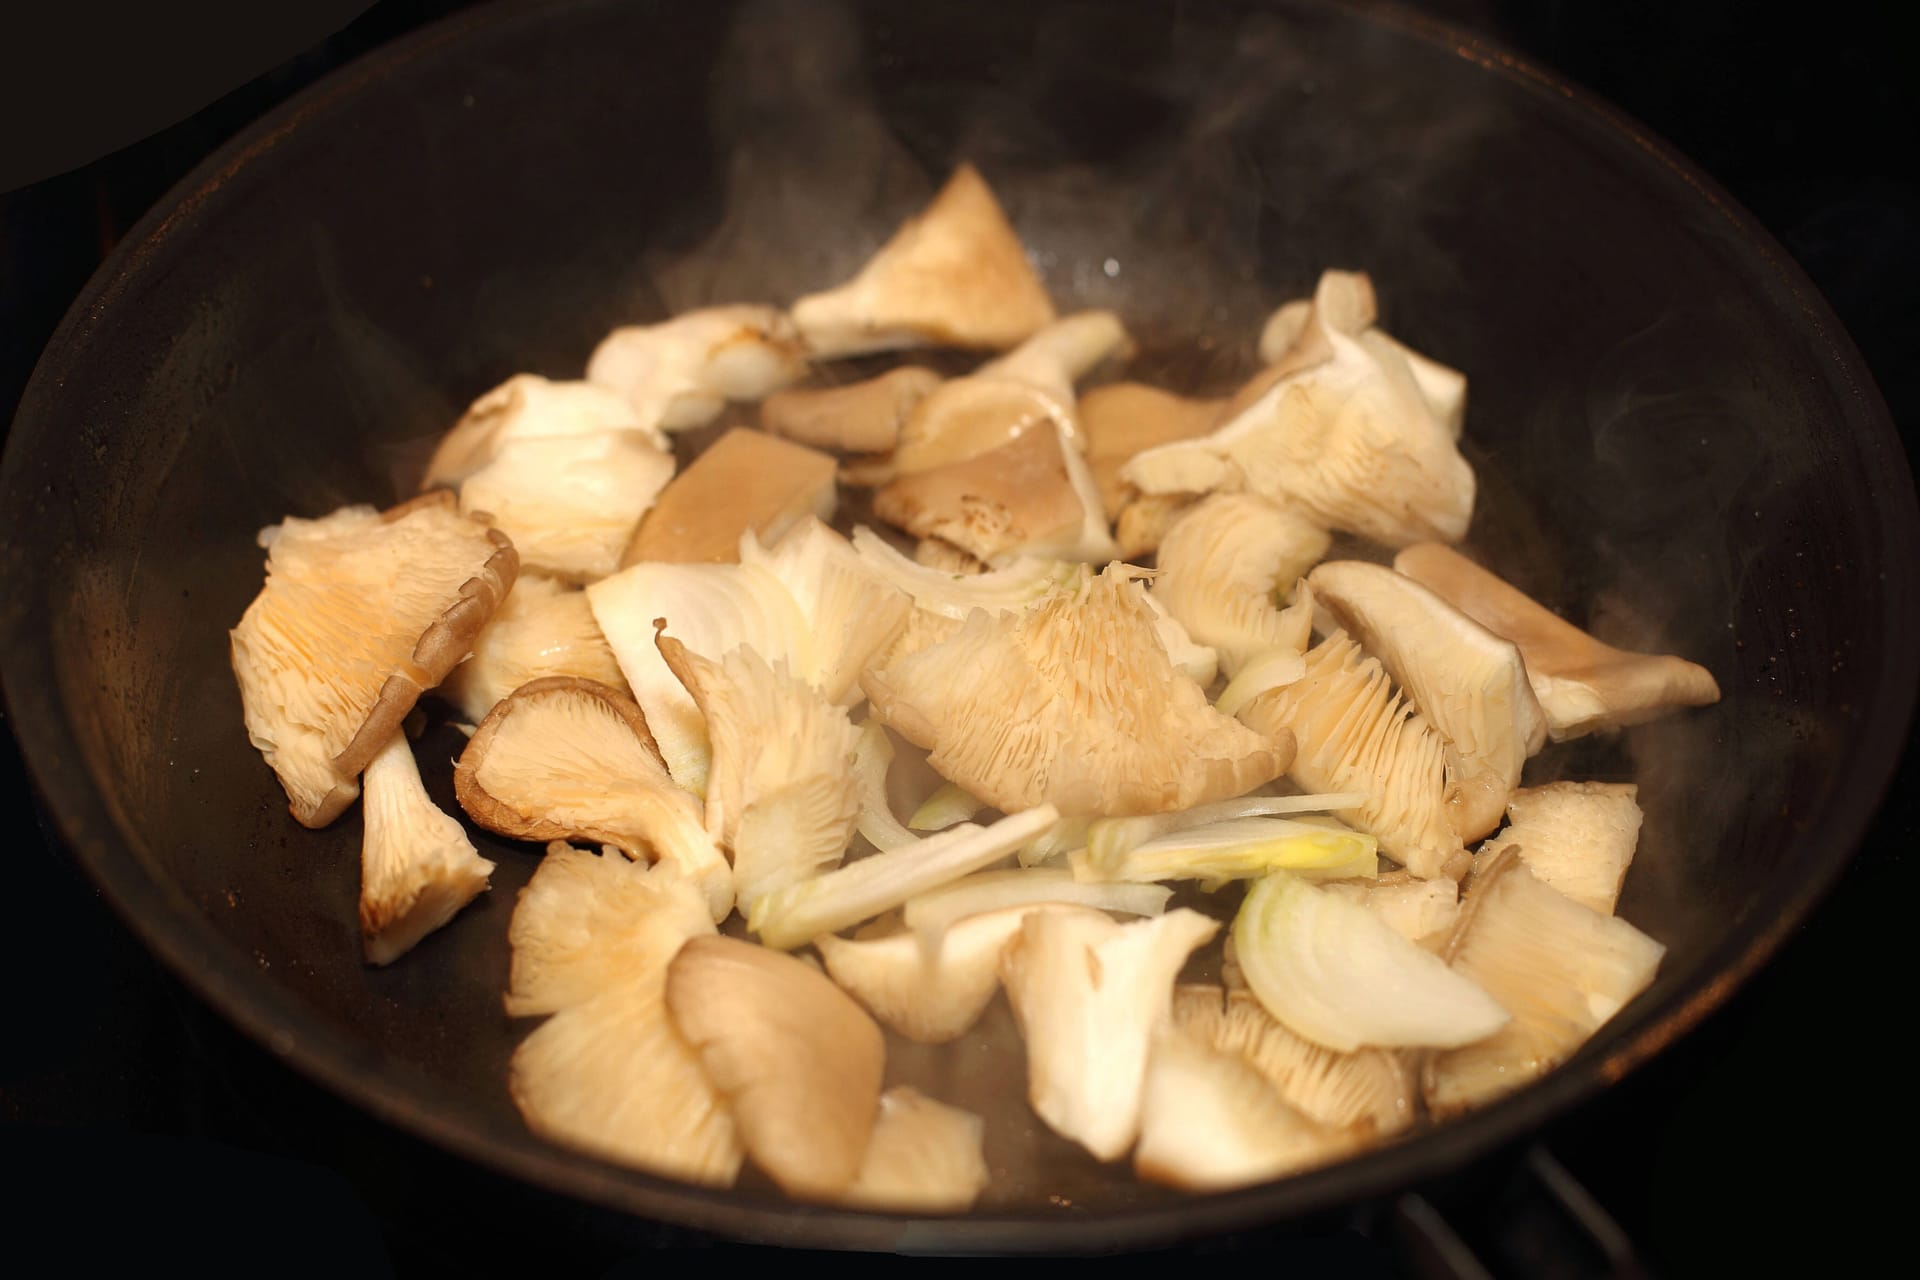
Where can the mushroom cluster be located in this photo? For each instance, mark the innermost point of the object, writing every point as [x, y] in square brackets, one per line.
[1097, 655]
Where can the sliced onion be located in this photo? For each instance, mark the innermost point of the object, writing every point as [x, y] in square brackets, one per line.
[933, 913]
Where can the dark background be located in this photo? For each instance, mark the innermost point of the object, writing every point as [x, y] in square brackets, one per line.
[134, 1125]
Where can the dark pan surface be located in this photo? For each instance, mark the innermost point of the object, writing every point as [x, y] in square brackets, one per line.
[1676, 444]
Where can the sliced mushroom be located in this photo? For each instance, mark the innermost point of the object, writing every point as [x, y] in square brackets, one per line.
[681, 373]
[924, 1157]
[1143, 523]
[941, 555]
[543, 628]
[1444, 389]
[1089, 995]
[781, 795]
[1126, 418]
[1356, 734]
[1028, 497]
[1210, 1122]
[1468, 683]
[417, 867]
[1583, 685]
[360, 614]
[1578, 837]
[1339, 428]
[954, 275]
[1221, 565]
[570, 503]
[746, 481]
[1368, 1093]
[799, 1061]
[1562, 968]
[1073, 701]
[565, 758]
[608, 1073]
[529, 407]
[860, 417]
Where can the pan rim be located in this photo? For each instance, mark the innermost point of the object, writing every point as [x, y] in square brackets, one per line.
[268, 1013]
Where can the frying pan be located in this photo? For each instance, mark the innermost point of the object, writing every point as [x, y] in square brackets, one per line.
[1677, 446]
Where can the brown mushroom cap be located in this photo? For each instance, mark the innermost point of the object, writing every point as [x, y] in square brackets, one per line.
[1582, 683]
[1017, 496]
[800, 1062]
[954, 275]
[746, 480]
[361, 613]
[860, 417]
[1124, 418]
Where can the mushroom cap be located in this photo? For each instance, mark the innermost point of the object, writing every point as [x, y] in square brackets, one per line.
[859, 417]
[1578, 837]
[680, 373]
[543, 628]
[565, 758]
[361, 613]
[528, 407]
[417, 867]
[1124, 418]
[1073, 701]
[745, 482]
[1470, 684]
[1563, 969]
[1355, 734]
[924, 1157]
[799, 1061]
[953, 275]
[967, 418]
[1221, 564]
[570, 503]
[1582, 683]
[1143, 523]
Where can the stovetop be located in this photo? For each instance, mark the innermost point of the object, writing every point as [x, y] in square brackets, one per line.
[135, 1124]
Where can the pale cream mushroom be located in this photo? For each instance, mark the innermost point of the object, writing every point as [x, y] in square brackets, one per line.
[1089, 995]
[954, 275]
[1467, 682]
[1221, 565]
[799, 1062]
[571, 503]
[1422, 911]
[1583, 684]
[1562, 968]
[362, 612]
[859, 417]
[1072, 701]
[1143, 523]
[608, 1073]
[417, 867]
[1578, 837]
[1338, 428]
[924, 1157]
[565, 758]
[543, 628]
[1125, 418]
[529, 407]
[681, 373]
[1444, 389]
[745, 482]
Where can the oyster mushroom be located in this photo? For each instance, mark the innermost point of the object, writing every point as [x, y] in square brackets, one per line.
[954, 275]
[529, 407]
[361, 613]
[1355, 734]
[745, 482]
[860, 417]
[1143, 523]
[1583, 684]
[570, 503]
[1125, 418]
[608, 1073]
[1578, 837]
[924, 1157]
[1468, 683]
[1562, 968]
[543, 628]
[1338, 428]
[799, 1062]
[1075, 702]
[1220, 565]
[1089, 995]
[681, 373]
[1422, 911]
[417, 867]
[1444, 389]
[565, 758]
